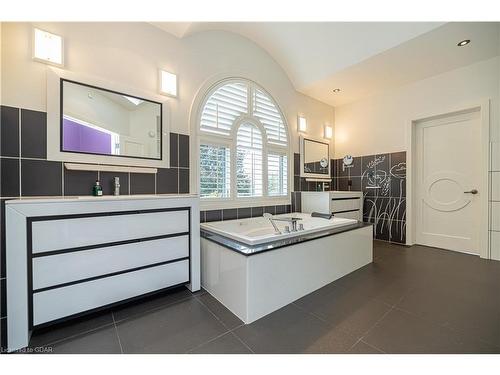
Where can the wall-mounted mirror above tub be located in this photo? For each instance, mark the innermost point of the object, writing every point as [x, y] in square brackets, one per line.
[91, 121]
[314, 158]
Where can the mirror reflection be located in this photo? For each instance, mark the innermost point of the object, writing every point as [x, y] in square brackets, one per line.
[103, 122]
[316, 157]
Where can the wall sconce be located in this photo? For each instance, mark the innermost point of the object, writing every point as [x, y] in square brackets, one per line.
[168, 83]
[301, 124]
[328, 132]
[47, 47]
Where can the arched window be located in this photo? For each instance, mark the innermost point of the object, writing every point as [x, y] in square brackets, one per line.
[243, 143]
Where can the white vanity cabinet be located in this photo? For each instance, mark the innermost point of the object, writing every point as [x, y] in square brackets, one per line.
[68, 257]
[345, 204]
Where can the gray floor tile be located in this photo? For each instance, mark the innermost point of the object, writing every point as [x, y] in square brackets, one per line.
[362, 348]
[71, 328]
[400, 332]
[226, 317]
[101, 341]
[176, 328]
[152, 303]
[292, 330]
[226, 344]
[351, 312]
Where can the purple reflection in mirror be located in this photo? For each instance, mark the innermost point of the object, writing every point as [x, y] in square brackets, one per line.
[81, 138]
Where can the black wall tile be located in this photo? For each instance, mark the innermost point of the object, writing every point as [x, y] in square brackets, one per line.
[107, 180]
[167, 181]
[183, 150]
[382, 230]
[79, 182]
[355, 170]
[230, 214]
[270, 210]
[257, 211]
[3, 333]
[3, 295]
[343, 183]
[9, 131]
[142, 183]
[398, 232]
[244, 213]
[296, 164]
[202, 216]
[213, 215]
[355, 183]
[10, 177]
[296, 183]
[174, 150]
[398, 187]
[398, 159]
[41, 177]
[367, 164]
[382, 162]
[183, 181]
[33, 134]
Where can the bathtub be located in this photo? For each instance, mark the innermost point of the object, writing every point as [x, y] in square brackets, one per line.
[253, 271]
[259, 230]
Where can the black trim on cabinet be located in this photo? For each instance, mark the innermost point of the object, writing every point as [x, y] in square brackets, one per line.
[30, 256]
[345, 199]
[344, 211]
[107, 244]
[111, 274]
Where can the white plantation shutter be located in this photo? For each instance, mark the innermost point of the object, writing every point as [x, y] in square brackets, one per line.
[265, 110]
[277, 174]
[249, 161]
[215, 171]
[224, 106]
[228, 106]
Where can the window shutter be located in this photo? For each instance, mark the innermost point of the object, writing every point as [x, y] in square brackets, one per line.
[215, 171]
[249, 161]
[224, 106]
[265, 110]
[277, 172]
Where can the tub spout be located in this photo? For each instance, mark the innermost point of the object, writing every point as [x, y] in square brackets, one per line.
[270, 217]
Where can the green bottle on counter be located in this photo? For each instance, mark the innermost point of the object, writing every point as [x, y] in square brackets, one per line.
[97, 189]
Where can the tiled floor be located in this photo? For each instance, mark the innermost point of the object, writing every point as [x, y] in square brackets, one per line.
[410, 300]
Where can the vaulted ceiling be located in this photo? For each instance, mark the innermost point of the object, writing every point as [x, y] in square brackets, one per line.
[359, 58]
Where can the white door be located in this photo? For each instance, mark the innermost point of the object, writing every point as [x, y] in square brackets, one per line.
[448, 165]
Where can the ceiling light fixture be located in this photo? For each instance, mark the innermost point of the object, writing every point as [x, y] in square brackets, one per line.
[336, 91]
[463, 42]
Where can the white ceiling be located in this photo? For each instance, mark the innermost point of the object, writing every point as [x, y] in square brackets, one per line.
[360, 58]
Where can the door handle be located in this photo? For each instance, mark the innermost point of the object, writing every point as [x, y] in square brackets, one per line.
[473, 191]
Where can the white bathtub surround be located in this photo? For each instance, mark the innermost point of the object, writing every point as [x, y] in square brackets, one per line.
[259, 230]
[66, 257]
[255, 280]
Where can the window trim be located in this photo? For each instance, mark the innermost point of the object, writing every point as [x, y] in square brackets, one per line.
[203, 137]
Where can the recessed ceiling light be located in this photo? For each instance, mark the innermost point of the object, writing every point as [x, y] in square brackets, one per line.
[336, 90]
[463, 42]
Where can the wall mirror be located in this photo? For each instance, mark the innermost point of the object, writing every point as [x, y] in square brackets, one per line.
[314, 158]
[93, 121]
[99, 121]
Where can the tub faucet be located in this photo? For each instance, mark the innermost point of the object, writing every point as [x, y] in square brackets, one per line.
[293, 221]
[270, 217]
[117, 186]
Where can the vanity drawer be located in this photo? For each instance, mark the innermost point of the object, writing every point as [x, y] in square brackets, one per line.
[62, 302]
[350, 215]
[77, 231]
[345, 204]
[63, 268]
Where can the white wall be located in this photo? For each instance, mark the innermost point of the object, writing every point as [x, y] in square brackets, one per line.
[378, 124]
[131, 53]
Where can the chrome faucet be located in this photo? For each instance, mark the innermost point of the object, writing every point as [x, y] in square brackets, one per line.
[117, 186]
[270, 217]
[292, 220]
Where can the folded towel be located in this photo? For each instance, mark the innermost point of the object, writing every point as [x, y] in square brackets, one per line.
[323, 216]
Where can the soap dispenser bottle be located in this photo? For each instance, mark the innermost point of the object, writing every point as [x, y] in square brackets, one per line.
[97, 189]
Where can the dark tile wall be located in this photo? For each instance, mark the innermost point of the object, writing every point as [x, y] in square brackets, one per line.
[382, 178]
[242, 213]
[25, 171]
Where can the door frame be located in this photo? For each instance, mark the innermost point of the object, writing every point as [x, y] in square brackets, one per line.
[483, 186]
